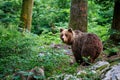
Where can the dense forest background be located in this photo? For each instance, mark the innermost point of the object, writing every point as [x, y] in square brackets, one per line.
[40, 45]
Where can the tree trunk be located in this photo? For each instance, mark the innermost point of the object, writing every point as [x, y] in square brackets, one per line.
[78, 15]
[115, 37]
[26, 14]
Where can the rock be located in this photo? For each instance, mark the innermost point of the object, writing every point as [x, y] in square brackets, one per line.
[65, 48]
[70, 77]
[41, 54]
[37, 73]
[97, 69]
[101, 66]
[113, 73]
[100, 70]
[64, 77]
[82, 72]
[104, 70]
[33, 74]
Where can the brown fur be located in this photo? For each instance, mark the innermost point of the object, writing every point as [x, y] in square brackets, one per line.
[83, 45]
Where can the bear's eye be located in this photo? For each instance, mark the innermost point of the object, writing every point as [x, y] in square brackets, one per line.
[66, 35]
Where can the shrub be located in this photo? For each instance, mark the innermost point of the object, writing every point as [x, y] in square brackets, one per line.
[21, 52]
[14, 42]
[93, 21]
[47, 14]
[10, 11]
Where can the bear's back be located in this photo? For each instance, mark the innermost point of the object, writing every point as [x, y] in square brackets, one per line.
[87, 44]
[87, 39]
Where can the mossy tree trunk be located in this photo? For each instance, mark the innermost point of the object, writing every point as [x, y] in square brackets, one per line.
[115, 36]
[78, 15]
[26, 14]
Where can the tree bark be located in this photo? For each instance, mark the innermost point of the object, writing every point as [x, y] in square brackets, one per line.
[26, 14]
[78, 15]
[115, 37]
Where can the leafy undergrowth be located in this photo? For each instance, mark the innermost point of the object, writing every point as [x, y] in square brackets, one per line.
[24, 51]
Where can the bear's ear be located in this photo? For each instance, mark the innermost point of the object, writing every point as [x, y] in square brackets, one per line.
[70, 30]
[61, 30]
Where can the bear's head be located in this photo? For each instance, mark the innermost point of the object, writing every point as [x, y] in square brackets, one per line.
[67, 36]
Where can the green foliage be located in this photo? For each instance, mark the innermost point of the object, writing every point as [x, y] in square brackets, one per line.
[13, 41]
[10, 11]
[47, 14]
[105, 11]
[24, 51]
[47, 39]
[110, 48]
[93, 18]
[55, 13]
[54, 62]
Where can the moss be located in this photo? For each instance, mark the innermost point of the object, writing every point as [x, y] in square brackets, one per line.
[114, 63]
[113, 60]
[102, 67]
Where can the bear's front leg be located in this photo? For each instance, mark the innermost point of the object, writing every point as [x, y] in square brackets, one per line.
[78, 58]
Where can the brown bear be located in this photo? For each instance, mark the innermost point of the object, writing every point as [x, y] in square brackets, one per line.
[86, 47]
